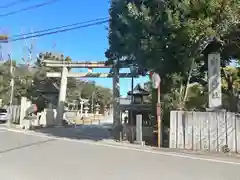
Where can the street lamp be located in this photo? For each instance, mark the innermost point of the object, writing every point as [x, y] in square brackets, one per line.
[97, 109]
[133, 70]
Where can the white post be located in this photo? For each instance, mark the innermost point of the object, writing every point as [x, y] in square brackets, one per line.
[139, 129]
[62, 96]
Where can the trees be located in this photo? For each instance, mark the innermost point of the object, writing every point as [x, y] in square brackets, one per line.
[165, 36]
[169, 37]
[231, 85]
[21, 85]
[160, 33]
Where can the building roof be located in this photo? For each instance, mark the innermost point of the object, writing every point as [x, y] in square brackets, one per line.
[210, 44]
[52, 88]
[139, 90]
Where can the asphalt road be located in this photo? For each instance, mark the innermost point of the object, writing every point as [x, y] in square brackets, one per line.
[30, 157]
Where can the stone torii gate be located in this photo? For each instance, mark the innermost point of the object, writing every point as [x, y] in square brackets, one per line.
[114, 73]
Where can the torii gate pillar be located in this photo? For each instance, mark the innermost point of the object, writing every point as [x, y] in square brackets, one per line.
[116, 100]
[62, 96]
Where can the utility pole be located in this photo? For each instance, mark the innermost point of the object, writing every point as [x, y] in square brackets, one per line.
[12, 88]
[1, 53]
[156, 83]
[28, 51]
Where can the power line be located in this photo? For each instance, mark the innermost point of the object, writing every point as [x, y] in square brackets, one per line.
[28, 8]
[59, 31]
[58, 27]
[13, 3]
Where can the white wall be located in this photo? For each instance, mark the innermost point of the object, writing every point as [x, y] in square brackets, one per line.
[206, 131]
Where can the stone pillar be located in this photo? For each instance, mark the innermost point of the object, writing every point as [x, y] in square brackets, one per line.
[116, 103]
[81, 108]
[86, 108]
[62, 96]
[105, 110]
[139, 129]
[86, 111]
[97, 109]
[22, 111]
[214, 81]
[25, 104]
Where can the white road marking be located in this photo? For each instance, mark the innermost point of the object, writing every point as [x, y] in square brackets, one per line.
[178, 155]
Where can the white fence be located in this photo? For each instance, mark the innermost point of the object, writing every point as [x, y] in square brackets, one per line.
[14, 112]
[206, 131]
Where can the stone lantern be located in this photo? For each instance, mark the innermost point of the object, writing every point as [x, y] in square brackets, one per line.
[97, 108]
[86, 108]
[105, 109]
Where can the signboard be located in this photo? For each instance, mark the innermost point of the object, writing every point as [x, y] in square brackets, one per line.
[3, 38]
[214, 81]
[155, 80]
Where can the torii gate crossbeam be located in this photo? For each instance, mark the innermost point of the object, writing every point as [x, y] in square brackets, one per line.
[88, 75]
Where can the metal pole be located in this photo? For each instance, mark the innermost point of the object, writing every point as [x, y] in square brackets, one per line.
[159, 116]
[132, 90]
[131, 112]
[12, 79]
[1, 53]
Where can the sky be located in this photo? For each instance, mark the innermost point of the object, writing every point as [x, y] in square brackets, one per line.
[87, 44]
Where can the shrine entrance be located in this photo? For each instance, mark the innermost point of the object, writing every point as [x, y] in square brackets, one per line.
[65, 73]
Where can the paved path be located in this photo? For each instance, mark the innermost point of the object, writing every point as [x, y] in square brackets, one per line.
[37, 157]
[107, 120]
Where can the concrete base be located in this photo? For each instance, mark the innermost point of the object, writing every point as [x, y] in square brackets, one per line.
[142, 143]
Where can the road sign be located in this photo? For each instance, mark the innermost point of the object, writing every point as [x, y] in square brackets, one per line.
[155, 80]
[3, 38]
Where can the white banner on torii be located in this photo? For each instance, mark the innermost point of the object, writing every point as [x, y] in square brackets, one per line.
[214, 81]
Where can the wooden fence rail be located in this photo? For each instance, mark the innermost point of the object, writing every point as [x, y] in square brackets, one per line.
[205, 131]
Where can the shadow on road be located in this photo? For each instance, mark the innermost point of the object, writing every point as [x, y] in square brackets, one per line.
[83, 132]
[26, 146]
